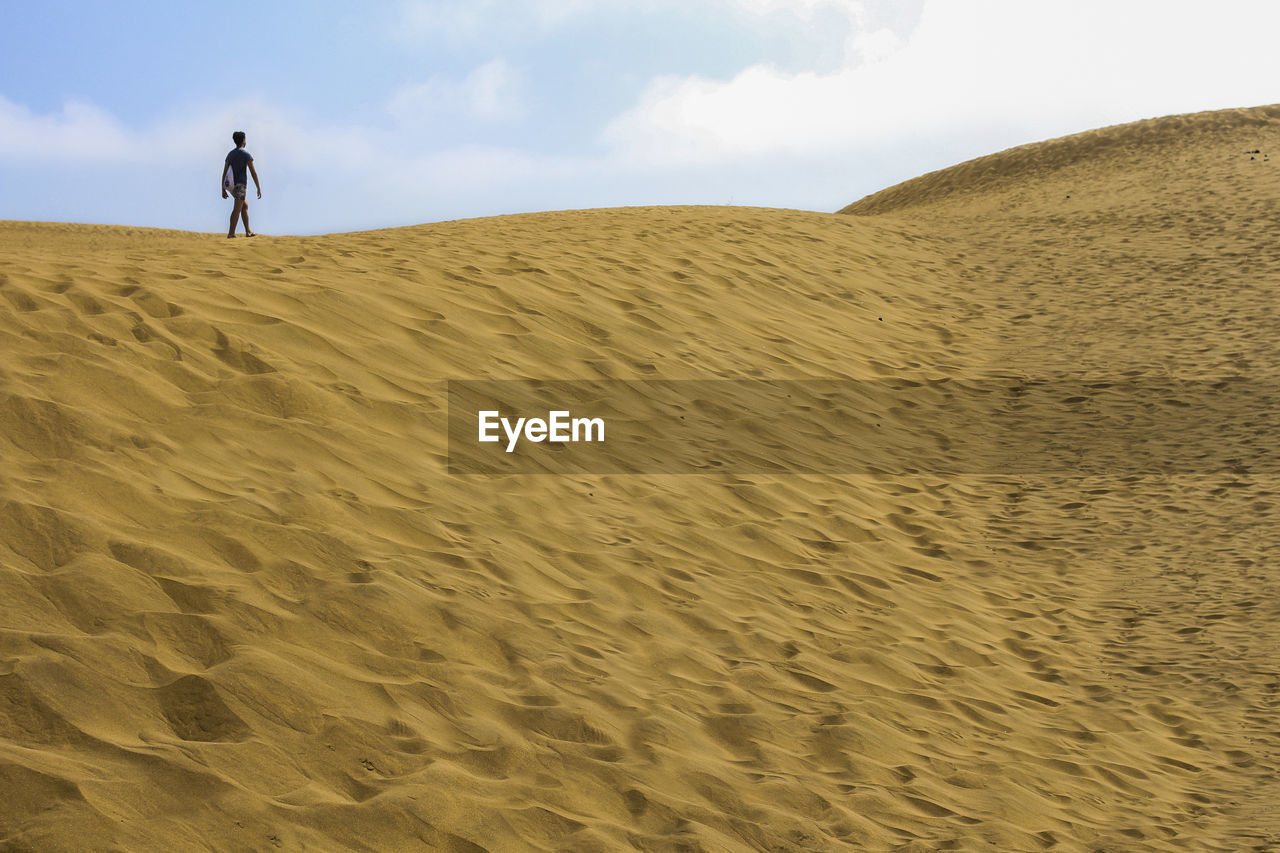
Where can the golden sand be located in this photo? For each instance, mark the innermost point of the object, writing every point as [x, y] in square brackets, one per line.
[243, 605]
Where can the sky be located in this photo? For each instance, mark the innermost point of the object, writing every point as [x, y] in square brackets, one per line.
[378, 114]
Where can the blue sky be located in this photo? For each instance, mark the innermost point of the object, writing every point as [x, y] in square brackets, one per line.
[393, 113]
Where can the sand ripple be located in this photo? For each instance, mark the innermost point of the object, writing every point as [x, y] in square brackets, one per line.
[243, 605]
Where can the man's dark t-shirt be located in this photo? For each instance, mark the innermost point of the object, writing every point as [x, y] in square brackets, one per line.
[239, 161]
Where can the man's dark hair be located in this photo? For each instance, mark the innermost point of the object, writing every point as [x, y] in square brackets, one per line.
[238, 137]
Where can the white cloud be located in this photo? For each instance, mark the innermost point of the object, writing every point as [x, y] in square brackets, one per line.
[1042, 68]
[458, 21]
[492, 92]
[84, 134]
[465, 20]
[448, 20]
[804, 10]
[79, 132]
[870, 46]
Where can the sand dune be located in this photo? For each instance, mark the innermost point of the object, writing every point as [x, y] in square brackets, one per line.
[244, 605]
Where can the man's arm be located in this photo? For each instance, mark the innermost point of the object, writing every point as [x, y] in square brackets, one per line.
[222, 176]
[254, 172]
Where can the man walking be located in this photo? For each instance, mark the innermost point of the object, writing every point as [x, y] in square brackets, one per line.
[239, 162]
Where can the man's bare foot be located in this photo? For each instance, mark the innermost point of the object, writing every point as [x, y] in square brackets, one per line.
[252, 234]
[231, 236]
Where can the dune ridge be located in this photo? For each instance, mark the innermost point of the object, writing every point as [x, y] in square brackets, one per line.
[244, 607]
[1117, 149]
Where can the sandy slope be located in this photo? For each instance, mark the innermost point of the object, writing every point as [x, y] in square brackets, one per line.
[243, 607]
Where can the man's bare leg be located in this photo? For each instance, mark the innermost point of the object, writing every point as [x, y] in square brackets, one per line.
[244, 216]
[235, 214]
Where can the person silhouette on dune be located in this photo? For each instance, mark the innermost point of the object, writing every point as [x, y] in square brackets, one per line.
[235, 180]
